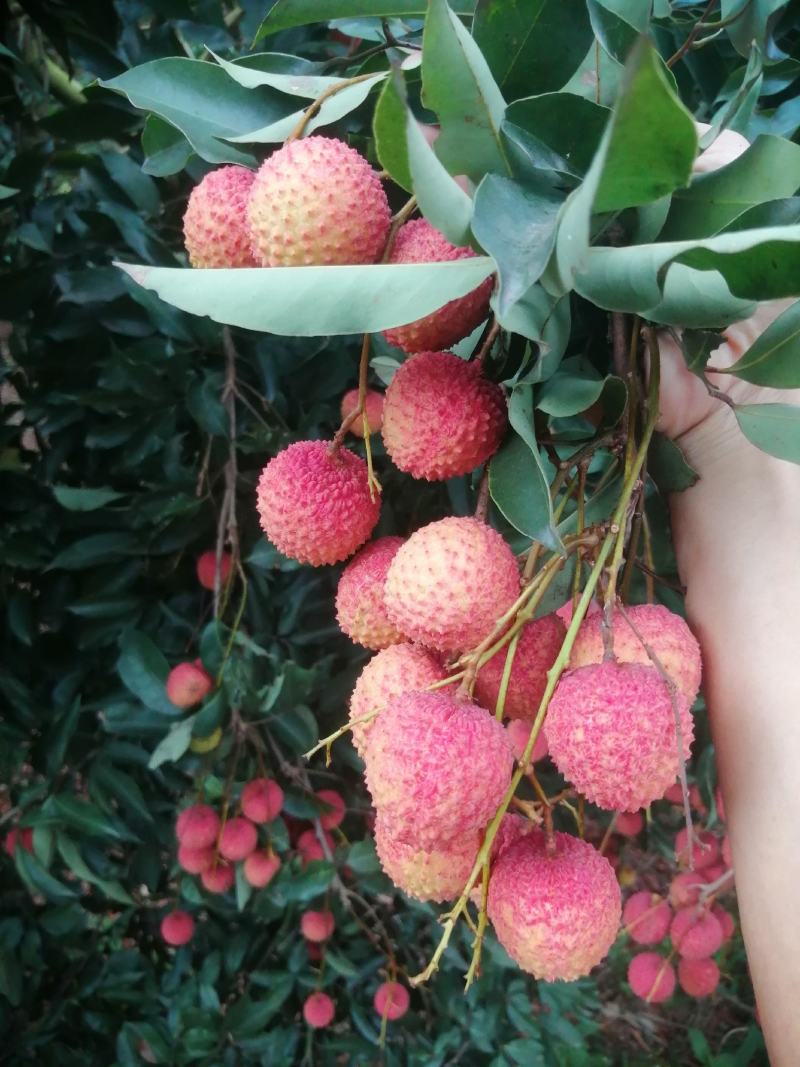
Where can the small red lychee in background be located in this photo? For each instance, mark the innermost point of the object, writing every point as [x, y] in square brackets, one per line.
[442, 417]
[177, 928]
[18, 838]
[215, 225]
[698, 978]
[705, 849]
[419, 242]
[391, 1000]
[260, 868]
[319, 1010]
[207, 568]
[695, 934]
[195, 860]
[628, 823]
[646, 918]
[519, 730]
[310, 847]
[651, 977]
[360, 605]
[675, 796]
[197, 826]
[436, 874]
[538, 646]
[188, 684]
[685, 889]
[261, 800]
[237, 839]
[333, 817]
[317, 925]
[725, 920]
[219, 878]
[373, 403]
[315, 505]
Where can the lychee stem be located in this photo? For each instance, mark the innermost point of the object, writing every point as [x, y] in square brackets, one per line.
[315, 105]
[483, 919]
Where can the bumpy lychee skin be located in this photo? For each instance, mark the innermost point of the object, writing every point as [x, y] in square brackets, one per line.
[664, 631]
[436, 874]
[317, 925]
[646, 918]
[335, 811]
[238, 839]
[628, 823]
[539, 643]
[696, 934]
[395, 670]
[705, 849]
[219, 878]
[391, 1000]
[360, 606]
[177, 928]
[195, 860]
[651, 977]
[310, 847]
[519, 730]
[698, 978]
[374, 407]
[442, 417]
[437, 767]
[207, 565]
[685, 889]
[611, 731]
[317, 202]
[555, 914]
[315, 507]
[511, 829]
[197, 826]
[450, 583]
[262, 800]
[419, 242]
[260, 868]
[319, 1010]
[215, 226]
[188, 684]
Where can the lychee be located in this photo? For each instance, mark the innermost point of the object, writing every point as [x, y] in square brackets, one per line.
[646, 917]
[197, 826]
[219, 878]
[437, 767]
[705, 849]
[442, 417]
[310, 847]
[373, 404]
[319, 1010]
[685, 889]
[237, 839]
[450, 583]
[725, 920]
[18, 838]
[665, 632]
[177, 927]
[335, 806]
[419, 242]
[208, 743]
[262, 800]
[519, 730]
[215, 227]
[207, 568]
[188, 684]
[512, 827]
[360, 606]
[195, 860]
[628, 823]
[695, 933]
[391, 1000]
[317, 925]
[674, 794]
[612, 733]
[436, 874]
[314, 202]
[395, 670]
[567, 610]
[651, 977]
[260, 868]
[538, 646]
[556, 912]
[698, 978]
[315, 505]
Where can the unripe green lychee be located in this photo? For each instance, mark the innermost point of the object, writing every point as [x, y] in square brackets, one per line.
[419, 242]
[360, 606]
[319, 1010]
[442, 417]
[317, 202]
[435, 874]
[391, 1001]
[197, 826]
[450, 583]
[215, 225]
[539, 644]
[237, 839]
[177, 928]
[262, 800]
[188, 684]
[260, 868]
[374, 409]
[207, 565]
[651, 977]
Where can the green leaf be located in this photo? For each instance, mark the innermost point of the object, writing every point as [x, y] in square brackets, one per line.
[88, 818]
[6, 191]
[667, 466]
[279, 71]
[144, 669]
[96, 549]
[568, 394]
[243, 889]
[567, 124]
[286, 14]
[697, 346]
[389, 131]
[532, 47]
[71, 856]
[38, 880]
[296, 728]
[753, 22]
[246, 1016]
[166, 150]
[774, 358]
[459, 87]
[774, 428]
[174, 745]
[617, 24]
[315, 301]
[84, 499]
[544, 319]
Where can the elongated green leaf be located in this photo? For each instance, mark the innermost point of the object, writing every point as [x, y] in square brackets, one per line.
[617, 24]
[774, 359]
[38, 880]
[173, 746]
[88, 818]
[84, 499]
[774, 428]
[667, 466]
[569, 125]
[286, 14]
[389, 131]
[315, 301]
[143, 669]
[166, 149]
[6, 192]
[545, 320]
[71, 856]
[96, 549]
[568, 394]
[753, 21]
[288, 74]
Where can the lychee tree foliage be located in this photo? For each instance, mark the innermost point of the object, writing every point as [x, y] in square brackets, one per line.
[138, 430]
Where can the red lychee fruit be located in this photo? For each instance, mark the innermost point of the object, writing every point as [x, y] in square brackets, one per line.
[207, 568]
[695, 933]
[336, 809]
[427, 874]
[317, 925]
[373, 402]
[360, 607]
[188, 684]
[519, 730]
[646, 917]
[555, 913]
[238, 839]
[197, 826]
[665, 632]
[310, 847]
[177, 928]
[567, 609]
[705, 849]
[260, 868]
[442, 417]
[195, 860]
[725, 920]
[419, 242]
[314, 951]
[395, 670]
[437, 767]
[611, 731]
[685, 889]
[262, 800]
[315, 506]
[628, 823]
[675, 796]
[511, 829]
[698, 978]
[450, 583]
[219, 878]
[319, 1009]
[651, 977]
[538, 646]
[18, 838]
[317, 202]
[215, 227]
[391, 1001]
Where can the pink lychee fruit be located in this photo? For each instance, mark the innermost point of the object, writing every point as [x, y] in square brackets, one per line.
[437, 767]
[665, 632]
[215, 227]
[557, 912]
[207, 568]
[316, 506]
[651, 977]
[538, 646]
[237, 839]
[195, 860]
[436, 874]
[197, 826]
[395, 670]
[335, 807]
[310, 847]
[519, 730]
[219, 878]
[612, 733]
[262, 800]
[373, 403]
[319, 1009]
[188, 684]
[18, 838]
[698, 978]
[628, 823]
[450, 583]
[685, 889]
[360, 606]
[725, 920]
[317, 925]
[419, 242]
[675, 796]
[177, 927]
[260, 868]
[646, 917]
[567, 609]
[695, 933]
[317, 202]
[442, 417]
[705, 849]
[391, 1001]
[511, 829]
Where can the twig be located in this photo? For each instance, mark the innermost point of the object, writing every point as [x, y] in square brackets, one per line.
[482, 505]
[315, 105]
[693, 32]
